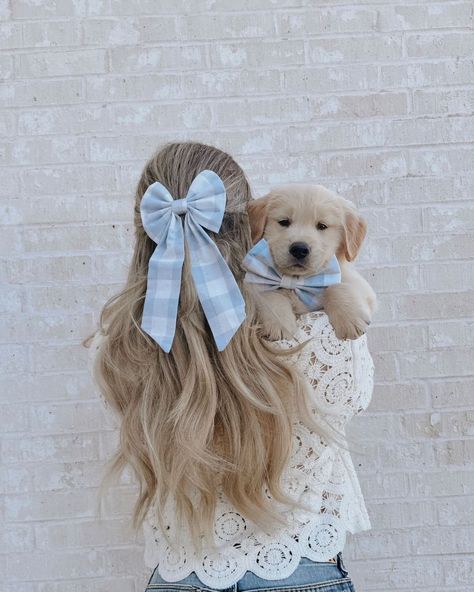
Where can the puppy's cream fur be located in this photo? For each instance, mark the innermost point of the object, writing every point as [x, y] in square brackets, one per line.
[308, 208]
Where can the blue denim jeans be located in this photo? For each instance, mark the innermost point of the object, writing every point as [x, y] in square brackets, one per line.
[309, 576]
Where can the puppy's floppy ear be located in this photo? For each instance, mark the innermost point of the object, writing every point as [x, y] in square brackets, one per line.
[354, 230]
[257, 211]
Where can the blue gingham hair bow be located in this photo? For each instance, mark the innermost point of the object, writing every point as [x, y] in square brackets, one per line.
[220, 297]
[262, 271]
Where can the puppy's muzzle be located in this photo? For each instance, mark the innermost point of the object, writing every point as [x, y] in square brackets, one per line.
[299, 250]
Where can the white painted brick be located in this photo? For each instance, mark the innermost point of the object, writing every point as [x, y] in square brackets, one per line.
[326, 20]
[448, 218]
[399, 338]
[225, 55]
[428, 162]
[215, 83]
[331, 79]
[435, 306]
[17, 539]
[394, 279]
[51, 34]
[459, 571]
[101, 584]
[110, 32]
[132, 119]
[62, 298]
[50, 269]
[409, 456]
[400, 574]
[67, 565]
[28, 9]
[6, 73]
[112, 269]
[452, 393]
[157, 87]
[15, 417]
[5, 10]
[45, 92]
[63, 179]
[394, 220]
[15, 479]
[238, 113]
[214, 26]
[64, 448]
[379, 544]
[135, 60]
[441, 484]
[14, 359]
[451, 453]
[356, 49]
[64, 418]
[395, 515]
[57, 358]
[424, 16]
[409, 190]
[425, 74]
[7, 128]
[62, 63]
[457, 45]
[437, 277]
[433, 425]
[453, 101]
[399, 396]
[67, 476]
[435, 364]
[360, 106]
[52, 239]
[10, 240]
[455, 540]
[43, 211]
[71, 119]
[47, 150]
[369, 163]
[10, 35]
[85, 534]
[450, 334]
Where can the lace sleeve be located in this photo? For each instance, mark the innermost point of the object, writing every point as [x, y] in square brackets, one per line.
[340, 372]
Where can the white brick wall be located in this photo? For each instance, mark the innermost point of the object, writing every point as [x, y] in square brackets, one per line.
[373, 99]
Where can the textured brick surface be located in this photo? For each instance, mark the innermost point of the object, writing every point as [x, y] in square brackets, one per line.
[372, 98]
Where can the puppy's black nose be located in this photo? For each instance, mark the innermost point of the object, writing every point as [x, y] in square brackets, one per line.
[299, 250]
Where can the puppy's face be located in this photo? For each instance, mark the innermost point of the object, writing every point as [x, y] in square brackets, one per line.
[305, 225]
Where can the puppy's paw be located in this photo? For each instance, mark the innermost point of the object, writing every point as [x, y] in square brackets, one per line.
[350, 326]
[348, 315]
[283, 329]
[274, 333]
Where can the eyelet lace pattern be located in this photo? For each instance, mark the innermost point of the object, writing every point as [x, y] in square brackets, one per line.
[319, 474]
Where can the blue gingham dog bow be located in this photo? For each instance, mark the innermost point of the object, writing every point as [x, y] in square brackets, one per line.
[309, 289]
[219, 294]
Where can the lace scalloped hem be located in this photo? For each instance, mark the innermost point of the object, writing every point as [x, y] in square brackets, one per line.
[277, 558]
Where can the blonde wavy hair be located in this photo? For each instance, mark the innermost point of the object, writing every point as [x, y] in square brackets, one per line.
[196, 414]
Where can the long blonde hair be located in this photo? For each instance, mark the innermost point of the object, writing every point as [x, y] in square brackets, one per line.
[196, 413]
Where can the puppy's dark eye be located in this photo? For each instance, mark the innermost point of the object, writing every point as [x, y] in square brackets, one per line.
[321, 226]
[284, 222]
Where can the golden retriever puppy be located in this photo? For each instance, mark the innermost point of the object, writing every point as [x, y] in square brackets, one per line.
[304, 226]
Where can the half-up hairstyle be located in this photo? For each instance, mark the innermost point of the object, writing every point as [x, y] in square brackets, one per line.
[195, 413]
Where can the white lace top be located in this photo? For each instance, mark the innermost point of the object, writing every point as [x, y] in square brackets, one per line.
[319, 474]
